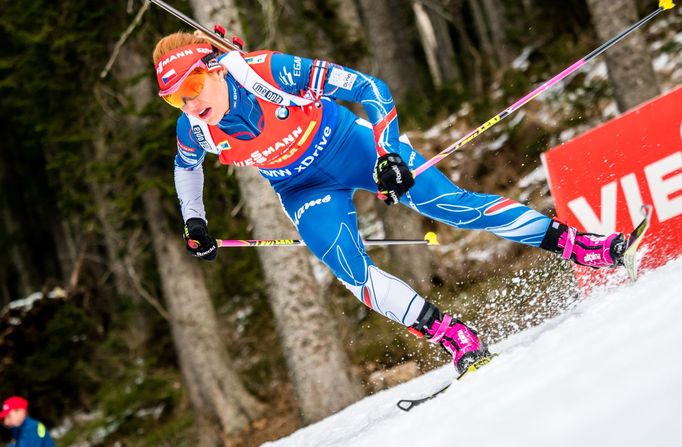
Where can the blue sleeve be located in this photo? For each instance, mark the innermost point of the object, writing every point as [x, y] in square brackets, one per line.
[47, 441]
[301, 76]
[190, 152]
[34, 434]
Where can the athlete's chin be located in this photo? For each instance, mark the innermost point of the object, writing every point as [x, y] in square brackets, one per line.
[212, 121]
[212, 118]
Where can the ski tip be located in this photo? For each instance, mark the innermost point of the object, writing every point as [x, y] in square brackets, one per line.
[630, 261]
[632, 272]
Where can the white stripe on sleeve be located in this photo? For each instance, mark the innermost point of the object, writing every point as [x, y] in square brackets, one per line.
[189, 185]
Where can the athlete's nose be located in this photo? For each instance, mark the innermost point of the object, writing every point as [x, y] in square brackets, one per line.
[190, 105]
[193, 106]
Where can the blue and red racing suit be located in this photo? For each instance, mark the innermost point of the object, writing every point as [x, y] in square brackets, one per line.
[315, 153]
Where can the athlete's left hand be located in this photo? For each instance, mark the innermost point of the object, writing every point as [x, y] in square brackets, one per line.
[198, 241]
[393, 178]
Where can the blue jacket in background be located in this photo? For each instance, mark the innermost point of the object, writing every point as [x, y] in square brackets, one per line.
[31, 434]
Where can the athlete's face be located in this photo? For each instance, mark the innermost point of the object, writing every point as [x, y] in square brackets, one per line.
[15, 418]
[213, 102]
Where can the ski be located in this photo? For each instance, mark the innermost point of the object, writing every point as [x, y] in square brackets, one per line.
[408, 404]
[630, 254]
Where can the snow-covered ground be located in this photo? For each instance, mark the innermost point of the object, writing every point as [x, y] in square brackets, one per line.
[608, 372]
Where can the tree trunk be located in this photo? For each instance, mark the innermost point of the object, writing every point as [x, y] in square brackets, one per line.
[109, 220]
[66, 242]
[435, 38]
[494, 10]
[350, 19]
[528, 7]
[349, 16]
[318, 365]
[390, 47]
[130, 64]
[115, 239]
[24, 278]
[120, 259]
[472, 58]
[482, 33]
[630, 67]
[222, 406]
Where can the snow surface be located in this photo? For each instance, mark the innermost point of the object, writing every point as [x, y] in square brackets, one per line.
[607, 372]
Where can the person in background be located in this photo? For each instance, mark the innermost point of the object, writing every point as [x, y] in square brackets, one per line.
[26, 431]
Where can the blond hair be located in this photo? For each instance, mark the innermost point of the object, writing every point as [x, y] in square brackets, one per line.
[176, 40]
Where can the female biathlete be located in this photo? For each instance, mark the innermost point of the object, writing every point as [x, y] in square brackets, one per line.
[278, 113]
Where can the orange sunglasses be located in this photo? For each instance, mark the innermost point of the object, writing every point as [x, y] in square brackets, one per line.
[190, 88]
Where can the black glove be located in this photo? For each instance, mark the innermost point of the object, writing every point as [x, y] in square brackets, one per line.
[393, 178]
[197, 240]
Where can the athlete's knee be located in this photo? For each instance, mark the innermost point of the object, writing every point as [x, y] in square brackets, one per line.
[388, 295]
[350, 266]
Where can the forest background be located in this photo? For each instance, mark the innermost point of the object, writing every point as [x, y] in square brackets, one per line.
[118, 337]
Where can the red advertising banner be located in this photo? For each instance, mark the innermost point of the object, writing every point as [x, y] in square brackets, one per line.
[600, 179]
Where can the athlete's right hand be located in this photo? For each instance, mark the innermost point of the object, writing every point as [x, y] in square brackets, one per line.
[197, 240]
[392, 177]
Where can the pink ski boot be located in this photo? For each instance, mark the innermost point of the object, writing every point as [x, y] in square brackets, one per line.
[589, 249]
[457, 338]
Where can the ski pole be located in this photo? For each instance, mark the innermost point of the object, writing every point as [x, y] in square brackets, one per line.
[213, 37]
[430, 238]
[662, 6]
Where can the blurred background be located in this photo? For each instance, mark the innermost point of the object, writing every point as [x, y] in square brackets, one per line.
[117, 337]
